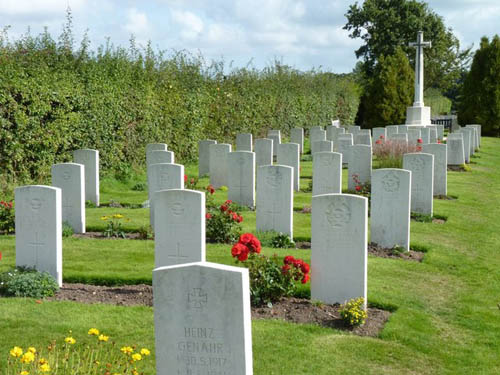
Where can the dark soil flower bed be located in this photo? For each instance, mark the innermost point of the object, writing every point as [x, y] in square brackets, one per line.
[296, 310]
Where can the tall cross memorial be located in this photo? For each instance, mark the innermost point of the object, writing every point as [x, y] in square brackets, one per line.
[418, 114]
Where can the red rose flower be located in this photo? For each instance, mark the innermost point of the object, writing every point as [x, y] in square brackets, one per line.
[378, 142]
[223, 208]
[358, 188]
[235, 216]
[0, 255]
[288, 259]
[419, 148]
[185, 178]
[240, 219]
[210, 189]
[305, 268]
[285, 268]
[382, 136]
[243, 255]
[306, 278]
[246, 238]
[255, 245]
[419, 140]
[229, 201]
[208, 215]
[237, 249]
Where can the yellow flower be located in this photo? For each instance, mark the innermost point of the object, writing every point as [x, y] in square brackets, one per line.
[145, 351]
[127, 349]
[45, 367]
[104, 218]
[117, 216]
[24, 372]
[136, 357]
[69, 340]
[93, 331]
[103, 338]
[42, 361]
[32, 350]
[27, 357]
[16, 351]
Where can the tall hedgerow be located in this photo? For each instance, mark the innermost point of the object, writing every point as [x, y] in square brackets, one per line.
[480, 99]
[55, 97]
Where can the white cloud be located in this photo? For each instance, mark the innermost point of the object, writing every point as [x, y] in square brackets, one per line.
[38, 7]
[137, 22]
[191, 24]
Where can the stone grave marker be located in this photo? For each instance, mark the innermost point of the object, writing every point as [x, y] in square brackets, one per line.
[204, 156]
[163, 176]
[241, 178]
[154, 147]
[339, 238]
[39, 229]
[455, 151]
[320, 146]
[263, 152]
[421, 166]
[179, 226]
[316, 136]
[275, 135]
[425, 134]
[433, 138]
[345, 141]
[69, 177]
[390, 208]
[332, 134]
[90, 160]
[218, 164]
[360, 165]
[202, 320]
[363, 138]
[475, 142]
[378, 133]
[391, 129]
[402, 128]
[244, 142]
[353, 129]
[275, 199]
[399, 138]
[440, 131]
[158, 157]
[413, 136]
[469, 133]
[297, 136]
[288, 154]
[478, 133]
[439, 150]
[327, 173]
[466, 139]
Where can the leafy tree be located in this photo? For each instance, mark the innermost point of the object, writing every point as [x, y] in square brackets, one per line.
[388, 93]
[480, 100]
[385, 25]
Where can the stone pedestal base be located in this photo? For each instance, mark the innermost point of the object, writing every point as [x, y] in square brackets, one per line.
[420, 116]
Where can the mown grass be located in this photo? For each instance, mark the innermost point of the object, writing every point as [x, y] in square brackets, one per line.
[446, 318]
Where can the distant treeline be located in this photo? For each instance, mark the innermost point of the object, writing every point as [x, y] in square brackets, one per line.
[55, 98]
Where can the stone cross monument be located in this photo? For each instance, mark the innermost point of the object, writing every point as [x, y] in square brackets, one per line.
[418, 114]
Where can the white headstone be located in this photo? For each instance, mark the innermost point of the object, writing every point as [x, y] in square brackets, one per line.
[353, 129]
[440, 132]
[263, 152]
[204, 156]
[379, 133]
[413, 136]
[218, 164]
[470, 135]
[433, 138]
[402, 128]
[390, 208]
[39, 229]
[297, 136]
[360, 165]
[179, 227]
[70, 178]
[455, 151]
[391, 129]
[339, 238]
[421, 166]
[425, 135]
[327, 173]
[158, 157]
[332, 134]
[400, 138]
[439, 150]
[164, 176]
[241, 178]
[478, 133]
[475, 141]
[275, 135]
[315, 136]
[90, 160]
[345, 141]
[154, 147]
[362, 139]
[202, 320]
[244, 142]
[275, 199]
[321, 146]
[467, 140]
[288, 154]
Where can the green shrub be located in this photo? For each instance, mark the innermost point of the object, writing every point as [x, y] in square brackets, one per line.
[140, 186]
[276, 240]
[7, 217]
[353, 312]
[26, 282]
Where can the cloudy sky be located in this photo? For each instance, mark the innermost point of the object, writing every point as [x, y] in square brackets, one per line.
[301, 33]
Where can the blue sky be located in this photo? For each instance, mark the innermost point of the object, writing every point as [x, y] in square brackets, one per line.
[302, 33]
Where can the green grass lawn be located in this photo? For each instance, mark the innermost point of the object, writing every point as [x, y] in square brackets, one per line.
[447, 319]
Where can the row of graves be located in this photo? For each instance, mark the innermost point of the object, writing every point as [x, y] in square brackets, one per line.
[202, 309]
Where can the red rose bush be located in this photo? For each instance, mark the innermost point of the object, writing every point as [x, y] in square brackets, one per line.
[222, 221]
[270, 279]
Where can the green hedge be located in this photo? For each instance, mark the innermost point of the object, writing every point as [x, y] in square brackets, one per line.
[55, 98]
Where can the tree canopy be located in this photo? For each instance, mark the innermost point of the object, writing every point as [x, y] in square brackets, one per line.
[480, 100]
[385, 25]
